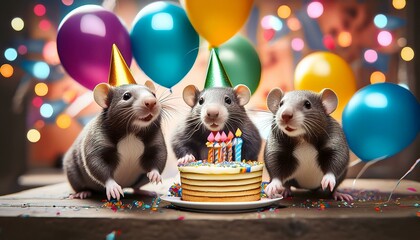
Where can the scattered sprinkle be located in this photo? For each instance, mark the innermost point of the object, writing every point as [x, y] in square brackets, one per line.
[180, 218]
[113, 234]
[115, 205]
[412, 189]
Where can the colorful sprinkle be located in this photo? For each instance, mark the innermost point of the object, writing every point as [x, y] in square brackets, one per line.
[411, 189]
[180, 218]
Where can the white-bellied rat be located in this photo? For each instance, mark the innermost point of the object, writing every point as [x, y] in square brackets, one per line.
[121, 145]
[214, 109]
[306, 147]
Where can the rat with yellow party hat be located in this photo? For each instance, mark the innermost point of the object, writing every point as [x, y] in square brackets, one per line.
[124, 145]
[218, 107]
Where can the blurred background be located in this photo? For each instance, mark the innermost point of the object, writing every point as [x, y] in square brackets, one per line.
[43, 109]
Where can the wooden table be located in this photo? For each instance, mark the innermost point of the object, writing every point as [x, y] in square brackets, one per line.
[47, 213]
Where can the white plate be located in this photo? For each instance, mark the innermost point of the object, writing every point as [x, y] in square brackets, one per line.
[221, 206]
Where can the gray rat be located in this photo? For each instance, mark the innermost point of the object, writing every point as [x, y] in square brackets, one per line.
[214, 109]
[306, 147]
[121, 145]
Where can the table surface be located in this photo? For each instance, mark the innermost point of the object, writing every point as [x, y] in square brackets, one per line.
[47, 212]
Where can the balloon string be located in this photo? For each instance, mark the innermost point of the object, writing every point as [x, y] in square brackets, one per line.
[355, 162]
[364, 169]
[399, 181]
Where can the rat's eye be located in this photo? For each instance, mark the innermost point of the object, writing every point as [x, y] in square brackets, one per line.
[228, 100]
[307, 105]
[126, 96]
[281, 103]
[154, 95]
[201, 101]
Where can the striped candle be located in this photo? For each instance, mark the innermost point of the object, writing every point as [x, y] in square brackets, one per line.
[238, 145]
[210, 157]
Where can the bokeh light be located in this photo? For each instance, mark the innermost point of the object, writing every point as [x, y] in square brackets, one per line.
[297, 44]
[40, 10]
[377, 77]
[46, 110]
[50, 53]
[37, 102]
[344, 39]
[33, 135]
[63, 121]
[384, 38]
[380, 21]
[315, 9]
[371, 56]
[402, 42]
[41, 89]
[6, 70]
[67, 2]
[398, 4]
[284, 11]
[17, 24]
[39, 124]
[41, 70]
[22, 49]
[407, 54]
[328, 41]
[271, 22]
[69, 96]
[44, 25]
[10, 54]
[293, 24]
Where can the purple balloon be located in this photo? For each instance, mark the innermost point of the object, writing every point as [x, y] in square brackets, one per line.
[84, 43]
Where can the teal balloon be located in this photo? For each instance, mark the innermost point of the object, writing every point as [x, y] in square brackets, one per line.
[241, 62]
[380, 120]
[164, 43]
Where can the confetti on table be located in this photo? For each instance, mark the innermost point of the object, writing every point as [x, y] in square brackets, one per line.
[113, 234]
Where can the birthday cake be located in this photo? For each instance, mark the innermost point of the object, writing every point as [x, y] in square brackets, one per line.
[223, 176]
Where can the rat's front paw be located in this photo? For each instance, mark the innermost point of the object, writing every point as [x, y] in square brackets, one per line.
[154, 176]
[274, 188]
[328, 181]
[186, 159]
[113, 189]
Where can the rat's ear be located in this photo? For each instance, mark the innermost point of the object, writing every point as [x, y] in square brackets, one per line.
[243, 94]
[100, 94]
[273, 99]
[329, 100]
[190, 95]
[150, 85]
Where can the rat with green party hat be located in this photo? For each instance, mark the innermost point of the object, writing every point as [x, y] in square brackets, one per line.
[218, 107]
[124, 145]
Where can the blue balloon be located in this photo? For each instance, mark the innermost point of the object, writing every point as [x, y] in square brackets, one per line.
[380, 120]
[164, 43]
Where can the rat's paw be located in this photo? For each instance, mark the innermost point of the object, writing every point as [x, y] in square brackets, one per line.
[342, 196]
[113, 190]
[274, 188]
[287, 192]
[154, 176]
[186, 159]
[328, 181]
[81, 195]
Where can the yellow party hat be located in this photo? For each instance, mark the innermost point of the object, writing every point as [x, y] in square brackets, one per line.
[119, 73]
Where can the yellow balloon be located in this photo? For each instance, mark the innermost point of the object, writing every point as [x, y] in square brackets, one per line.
[321, 70]
[217, 20]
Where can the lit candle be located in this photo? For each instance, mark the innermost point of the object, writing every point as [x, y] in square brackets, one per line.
[217, 149]
[223, 139]
[229, 146]
[210, 145]
[238, 145]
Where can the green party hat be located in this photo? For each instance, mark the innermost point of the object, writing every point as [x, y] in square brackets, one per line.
[216, 74]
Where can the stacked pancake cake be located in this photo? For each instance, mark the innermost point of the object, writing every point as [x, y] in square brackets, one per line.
[223, 176]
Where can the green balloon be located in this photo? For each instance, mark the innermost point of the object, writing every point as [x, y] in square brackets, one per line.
[241, 62]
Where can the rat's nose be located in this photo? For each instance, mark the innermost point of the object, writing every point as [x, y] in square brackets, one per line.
[212, 112]
[150, 103]
[286, 116]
